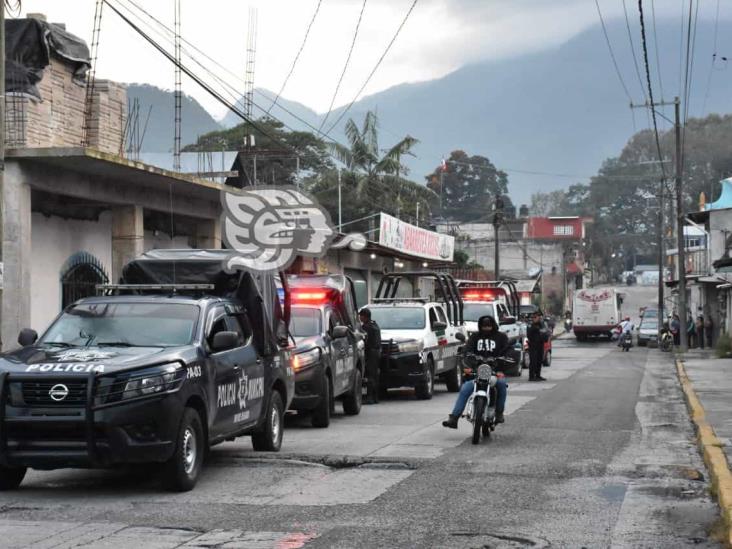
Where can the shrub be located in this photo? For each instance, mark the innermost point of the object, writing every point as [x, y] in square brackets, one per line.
[724, 346]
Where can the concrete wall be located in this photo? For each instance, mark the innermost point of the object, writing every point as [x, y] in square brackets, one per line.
[163, 242]
[53, 241]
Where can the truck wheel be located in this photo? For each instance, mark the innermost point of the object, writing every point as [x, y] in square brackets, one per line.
[517, 367]
[424, 389]
[11, 477]
[525, 362]
[454, 379]
[269, 439]
[352, 400]
[180, 472]
[321, 414]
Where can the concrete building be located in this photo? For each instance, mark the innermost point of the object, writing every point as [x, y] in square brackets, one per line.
[549, 245]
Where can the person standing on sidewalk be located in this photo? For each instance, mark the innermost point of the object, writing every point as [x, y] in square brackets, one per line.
[373, 355]
[690, 332]
[700, 331]
[676, 329]
[536, 336]
[709, 330]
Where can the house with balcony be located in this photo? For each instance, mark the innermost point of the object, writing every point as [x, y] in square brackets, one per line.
[708, 262]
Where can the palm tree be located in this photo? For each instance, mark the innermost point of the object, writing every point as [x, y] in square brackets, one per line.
[364, 159]
[376, 173]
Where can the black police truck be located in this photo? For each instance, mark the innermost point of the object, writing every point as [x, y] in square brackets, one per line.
[176, 358]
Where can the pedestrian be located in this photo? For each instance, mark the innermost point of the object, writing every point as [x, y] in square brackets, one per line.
[700, 331]
[373, 355]
[709, 330]
[536, 336]
[676, 329]
[690, 332]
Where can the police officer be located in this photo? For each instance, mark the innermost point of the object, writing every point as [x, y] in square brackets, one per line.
[536, 336]
[373, 355]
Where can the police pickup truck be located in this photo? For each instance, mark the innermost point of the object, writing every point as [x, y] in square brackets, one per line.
[420, 337]
[154, 371]
[329, 355]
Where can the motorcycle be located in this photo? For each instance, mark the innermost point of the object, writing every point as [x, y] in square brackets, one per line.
[480, 409]
[627, 342]
[667, 340]
[567, 324]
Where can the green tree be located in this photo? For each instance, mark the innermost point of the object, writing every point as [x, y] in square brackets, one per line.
[276, 151]
[468, 187]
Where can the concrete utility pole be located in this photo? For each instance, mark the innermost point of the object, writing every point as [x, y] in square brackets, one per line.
[661, 312]
[2, 145]
[681, 241]
[497, 215]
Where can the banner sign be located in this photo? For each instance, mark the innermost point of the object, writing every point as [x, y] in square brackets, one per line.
[413, 240]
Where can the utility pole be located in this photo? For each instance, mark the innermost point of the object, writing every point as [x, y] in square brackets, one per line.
[340, 211]
[661, 313]
[497, 218]
[417, 213]
[681, 241]
[297, 171]
[2, 142]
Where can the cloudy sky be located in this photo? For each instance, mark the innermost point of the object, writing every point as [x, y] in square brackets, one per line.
[440, 36]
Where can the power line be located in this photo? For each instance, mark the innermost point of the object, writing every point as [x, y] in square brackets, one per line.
[714, 59]
[632, 51]
[297, 57]
[650, 87]
[688, 74]
[373, 71]
[345, 66]
[655, 48]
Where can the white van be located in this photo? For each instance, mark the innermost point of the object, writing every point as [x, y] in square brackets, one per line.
[595, 312]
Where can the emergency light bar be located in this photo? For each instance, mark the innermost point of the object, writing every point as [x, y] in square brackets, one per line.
[311, 296]
[482, 295]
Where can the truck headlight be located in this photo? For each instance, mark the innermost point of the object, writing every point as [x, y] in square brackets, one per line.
[411, 346]
[305, 359]
[153, 380]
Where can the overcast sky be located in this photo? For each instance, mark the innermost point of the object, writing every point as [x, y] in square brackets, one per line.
[439, 37]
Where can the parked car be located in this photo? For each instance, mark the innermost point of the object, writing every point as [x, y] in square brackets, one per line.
[648, 331]
[420, 337]
[151, 372]
[329, 356]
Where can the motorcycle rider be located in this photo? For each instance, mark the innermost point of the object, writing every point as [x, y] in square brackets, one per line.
[488, 341]
[626, 327]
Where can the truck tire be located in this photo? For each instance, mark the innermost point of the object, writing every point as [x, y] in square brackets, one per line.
[454, 379]
[269, 439]
[352, 400]
[181, 471]
[321, 415]
[548, 359]
[425, 389]
[11, 477]
[517, 366]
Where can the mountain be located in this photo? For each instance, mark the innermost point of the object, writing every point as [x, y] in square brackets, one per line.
[290, 112]
[195, 120]
[562, 110]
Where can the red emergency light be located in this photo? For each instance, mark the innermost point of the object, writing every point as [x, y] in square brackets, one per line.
[310, 296]
[480, 295]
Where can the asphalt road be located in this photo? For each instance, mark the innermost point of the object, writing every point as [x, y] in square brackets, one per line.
[601, 455]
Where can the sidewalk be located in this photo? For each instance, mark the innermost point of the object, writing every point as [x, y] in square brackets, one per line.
[712, 381]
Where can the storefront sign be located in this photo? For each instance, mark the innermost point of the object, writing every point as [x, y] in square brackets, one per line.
[413, 240]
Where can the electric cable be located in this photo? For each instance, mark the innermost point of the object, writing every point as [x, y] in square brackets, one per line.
[297, 57]
[373, 71]
[345, 67]
[632, 51]
[714, 58]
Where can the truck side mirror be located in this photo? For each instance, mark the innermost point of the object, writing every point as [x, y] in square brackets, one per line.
[437, 326]
[27, 337]
[340, 332]
[506, 320]
[225, 341]
[460, 336]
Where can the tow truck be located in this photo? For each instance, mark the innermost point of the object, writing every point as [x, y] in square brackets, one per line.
[329, 355]
[178, 357]
[422, 329]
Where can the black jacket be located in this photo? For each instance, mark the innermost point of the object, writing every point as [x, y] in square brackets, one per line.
[537, 336]
[373, 335]
[494, 344]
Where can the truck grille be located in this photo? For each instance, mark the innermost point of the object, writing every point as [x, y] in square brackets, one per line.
[38, 393]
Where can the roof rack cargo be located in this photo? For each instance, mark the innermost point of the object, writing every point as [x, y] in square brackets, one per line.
[189, 268]
[446, 290]
[110, 289]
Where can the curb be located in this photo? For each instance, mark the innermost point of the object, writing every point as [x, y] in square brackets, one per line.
[712, 452]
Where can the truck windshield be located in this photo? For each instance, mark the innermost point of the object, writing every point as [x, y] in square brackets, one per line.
[399, 318]
[305, 322]
[473, 311]
[124, 324]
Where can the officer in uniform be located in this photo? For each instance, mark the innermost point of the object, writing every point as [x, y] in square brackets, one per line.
[373, 355]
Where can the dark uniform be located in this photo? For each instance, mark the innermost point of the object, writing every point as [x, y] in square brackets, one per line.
[536, 336]
[373, 359]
